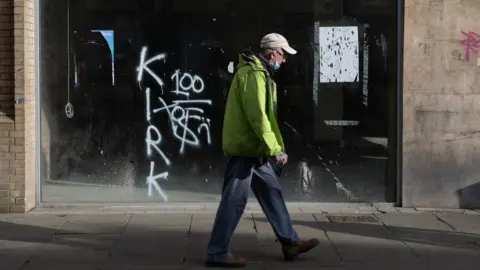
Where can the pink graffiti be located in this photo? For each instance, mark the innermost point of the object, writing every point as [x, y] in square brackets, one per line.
[471, 43]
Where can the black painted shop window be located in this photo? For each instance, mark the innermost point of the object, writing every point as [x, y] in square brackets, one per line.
[132, 71]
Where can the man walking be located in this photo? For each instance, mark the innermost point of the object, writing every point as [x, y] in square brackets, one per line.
[252, 141]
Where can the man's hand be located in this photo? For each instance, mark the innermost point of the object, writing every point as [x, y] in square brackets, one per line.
[281, 158]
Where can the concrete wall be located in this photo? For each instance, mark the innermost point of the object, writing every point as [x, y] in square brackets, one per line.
[441, 161]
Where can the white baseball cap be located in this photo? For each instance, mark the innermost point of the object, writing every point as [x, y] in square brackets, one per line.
[274, 40]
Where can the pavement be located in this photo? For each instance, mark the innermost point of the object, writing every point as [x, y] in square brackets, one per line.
[353, 237]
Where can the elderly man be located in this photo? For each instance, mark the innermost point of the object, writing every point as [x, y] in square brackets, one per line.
[252, 141]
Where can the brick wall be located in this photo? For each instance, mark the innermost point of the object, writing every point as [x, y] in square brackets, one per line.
[17, 119]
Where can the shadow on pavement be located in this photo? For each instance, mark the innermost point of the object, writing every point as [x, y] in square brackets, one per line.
[178, 241]
[111, 242]
[406, 234]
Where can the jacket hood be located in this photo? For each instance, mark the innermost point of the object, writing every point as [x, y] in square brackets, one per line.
[256, 61]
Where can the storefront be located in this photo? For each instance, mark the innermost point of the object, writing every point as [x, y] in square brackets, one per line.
[132, 95]
[122, 101]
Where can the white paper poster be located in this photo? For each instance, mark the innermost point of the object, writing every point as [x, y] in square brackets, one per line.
[339, 54]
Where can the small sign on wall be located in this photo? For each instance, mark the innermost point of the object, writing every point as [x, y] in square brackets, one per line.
[20, 101]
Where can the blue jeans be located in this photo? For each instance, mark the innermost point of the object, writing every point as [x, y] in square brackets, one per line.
[242, 173]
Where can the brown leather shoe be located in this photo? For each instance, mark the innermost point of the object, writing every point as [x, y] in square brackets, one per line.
[232, 262]
[290, 253]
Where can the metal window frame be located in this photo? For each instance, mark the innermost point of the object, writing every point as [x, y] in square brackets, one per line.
[38, 106]
[399, 102]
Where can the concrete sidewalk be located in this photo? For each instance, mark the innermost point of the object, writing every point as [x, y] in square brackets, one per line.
[147, 238]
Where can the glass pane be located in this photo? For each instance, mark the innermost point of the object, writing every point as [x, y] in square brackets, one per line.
[133, 95]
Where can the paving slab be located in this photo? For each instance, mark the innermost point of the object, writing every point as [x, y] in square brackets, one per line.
[132, 267]
[146, 245]
[306, 226]
[43, 221]
[30, 233]
[293, 266]
[363, 238]
[91, 228]
[417, 221]
[13, 260]
[244, 241]
[88, 241]
[195, 210]
[349, 240]
[414, 228]
[343, 207]
[144, 232]
[359, 225]
[469, 224]
[385, 208]
[53, 254]
[7, 246]
[447, 257]
[249, 266]
[159, 210]
[407, 210]
[95, 224]
[165, 219]
[100, 219]
[60, 266]
[159, 251]
[384, 266]
[471, 212]
[371, 249]
[320, 217]
[136, 210]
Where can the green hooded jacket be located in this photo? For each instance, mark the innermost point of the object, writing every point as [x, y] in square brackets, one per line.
[250, 127]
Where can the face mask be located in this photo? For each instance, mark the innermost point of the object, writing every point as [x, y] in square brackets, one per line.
[276, 66]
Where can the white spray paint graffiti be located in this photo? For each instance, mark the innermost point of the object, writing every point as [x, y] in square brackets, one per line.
[153, 184]
[144, 66]
[179, 112]
[179, 118]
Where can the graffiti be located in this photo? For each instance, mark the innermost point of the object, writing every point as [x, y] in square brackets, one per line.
[181, 89]
[152, 182]
[155, 143]
[144, 67]
[457, 55]
[181, 112]
[471, 43]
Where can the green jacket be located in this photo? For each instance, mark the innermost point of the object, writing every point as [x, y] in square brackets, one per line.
[250, 127]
